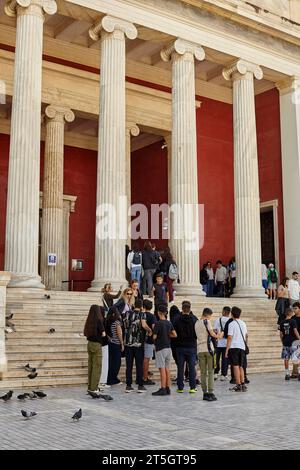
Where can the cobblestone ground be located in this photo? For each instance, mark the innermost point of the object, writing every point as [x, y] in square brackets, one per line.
[263, 418]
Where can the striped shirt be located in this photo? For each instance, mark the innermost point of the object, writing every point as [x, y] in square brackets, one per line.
[114, 336]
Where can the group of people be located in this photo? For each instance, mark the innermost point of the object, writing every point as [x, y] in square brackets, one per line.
[221, 282]
[129, 328]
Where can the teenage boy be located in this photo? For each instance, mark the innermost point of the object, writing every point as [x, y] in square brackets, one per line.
[205, 351]
[220, 278]
[135, 325]
[219, 327]
[149, 344]
[236, 348]
[163, 332]
[160, 292]
[294, 288]
[296, 367]
[288, 334]
[186, 346]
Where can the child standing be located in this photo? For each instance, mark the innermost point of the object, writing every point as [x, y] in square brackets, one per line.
[163, 332]
[160, 292]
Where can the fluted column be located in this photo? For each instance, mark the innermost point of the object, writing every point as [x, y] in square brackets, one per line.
[52, 229]
[22, 217]
[184, 225]
[111, 218]
[246, 184]
[168, 141]
[4, 279]
[131, 130]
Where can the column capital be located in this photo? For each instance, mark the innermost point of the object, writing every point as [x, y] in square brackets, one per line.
[59, 114]
[290, 84]
[132, 129]
[182, 47]
[239, 68]
[110, 24]
[42, 6]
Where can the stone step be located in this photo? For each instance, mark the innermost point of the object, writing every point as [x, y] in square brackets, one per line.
[46, 348]
[37, 356]
[42, 382]
[50, 364]
[66, 371]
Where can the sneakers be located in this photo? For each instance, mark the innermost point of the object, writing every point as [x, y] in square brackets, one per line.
[244, 388]
[192, 390]
[246, 381]
[168, 390]
[216, 376]
[223, 378]
[103, 386]
[287, 377]
[161, 392]
[148, 382]
[237, 388]
[179, 391]
[141, 389]
[129, 389]
[295, 377]
[207, 397]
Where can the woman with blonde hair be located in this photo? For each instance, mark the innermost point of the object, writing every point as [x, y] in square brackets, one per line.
[126, 301]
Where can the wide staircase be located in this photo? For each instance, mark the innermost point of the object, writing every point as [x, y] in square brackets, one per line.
[61, 357]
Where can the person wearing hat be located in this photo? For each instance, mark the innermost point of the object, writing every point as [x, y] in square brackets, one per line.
[160, 292]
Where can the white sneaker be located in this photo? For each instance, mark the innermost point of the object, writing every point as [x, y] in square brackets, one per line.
[216, 376]
[103, 386]
[223, 378]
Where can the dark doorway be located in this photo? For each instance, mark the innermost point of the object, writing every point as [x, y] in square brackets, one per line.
[267, 236]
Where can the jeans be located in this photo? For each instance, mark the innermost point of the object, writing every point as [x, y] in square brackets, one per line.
[148, 281]
[114, 363]
[210, 287]
[220, 289]
[190, 356]
[94, 364]
[136, 273]
[104, 365]
[137, 353]
[206, 364]
[224, 366]
[205, 288]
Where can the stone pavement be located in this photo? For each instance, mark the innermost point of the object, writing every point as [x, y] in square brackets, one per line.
[265, 417]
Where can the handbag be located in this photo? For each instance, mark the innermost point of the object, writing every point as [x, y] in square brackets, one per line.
[246, 345]
[210, 340]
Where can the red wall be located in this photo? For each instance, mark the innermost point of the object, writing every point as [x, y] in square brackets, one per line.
[4, 157]
[269, 157]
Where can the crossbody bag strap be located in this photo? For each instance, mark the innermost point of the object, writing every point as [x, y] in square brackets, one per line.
[220, 321]
[104, 301]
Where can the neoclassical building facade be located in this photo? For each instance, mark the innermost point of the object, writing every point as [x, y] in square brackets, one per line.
[159, 101]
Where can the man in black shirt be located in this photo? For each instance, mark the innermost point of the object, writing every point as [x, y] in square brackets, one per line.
[160, 291]
[163, 332]
[288, 334]
[149, 344]
[296, 317]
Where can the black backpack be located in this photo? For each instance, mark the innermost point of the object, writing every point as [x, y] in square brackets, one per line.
[273, 276]
[136, 258]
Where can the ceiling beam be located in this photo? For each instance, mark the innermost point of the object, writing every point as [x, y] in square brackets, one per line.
[73, 30]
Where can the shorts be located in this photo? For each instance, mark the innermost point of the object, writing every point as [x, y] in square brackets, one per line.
[237, 357]
[272, 285]
[148, 351]
[287, 352]
[163, 358]
[265, 284]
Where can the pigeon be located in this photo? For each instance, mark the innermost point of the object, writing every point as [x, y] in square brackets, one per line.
[28, 414]
[93, 394]
[29, 369]
[9, 317]
[23, 396]
[47, 296]
[7, 396]
[32, 375]
[51, 330]
[77, 415]
[105, 397]
[32, 395]
[40, 393]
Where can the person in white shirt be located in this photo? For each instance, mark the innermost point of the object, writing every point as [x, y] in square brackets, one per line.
[236, 349]
[220, 278]
[264, 277]
[211, 280]
[294, 288]
[219, 326]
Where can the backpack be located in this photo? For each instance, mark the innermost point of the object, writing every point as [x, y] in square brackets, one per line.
[136, 258]
[273, 276]
[154, 256]
[173, 272]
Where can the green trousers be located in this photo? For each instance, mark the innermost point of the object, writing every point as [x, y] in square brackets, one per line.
[206, 364]
[94, 365]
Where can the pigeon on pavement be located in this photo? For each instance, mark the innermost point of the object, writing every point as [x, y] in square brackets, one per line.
[29, 368]
[77, 415]
[23, 396]
[28, 414]
[32, 375]
[51, 330]
[7, 396]
[105, 397]
[93, 394]
[40, 393]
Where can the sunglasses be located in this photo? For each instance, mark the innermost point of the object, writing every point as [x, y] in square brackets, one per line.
[129, 293]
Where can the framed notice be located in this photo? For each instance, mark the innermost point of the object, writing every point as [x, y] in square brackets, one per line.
[52, 258]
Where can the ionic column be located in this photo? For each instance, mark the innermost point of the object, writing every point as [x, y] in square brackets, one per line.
[131, 130]
[22, 217]
[290, 146]
[52, 228]
[111, 218]
[246, 185]
[4, 280]
[168, 141]
[184, 226]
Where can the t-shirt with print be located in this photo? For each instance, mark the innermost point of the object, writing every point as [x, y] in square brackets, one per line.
[160, 293]
[287, 328]
[134, 333]
[237, 329]
[163, 329]
[202, 335]
[151, 320]
[219, 326]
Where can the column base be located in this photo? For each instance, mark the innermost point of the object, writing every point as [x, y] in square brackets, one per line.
[3, 367]
[188, 289]
[98, 284]
[25, 281]
[249, 292]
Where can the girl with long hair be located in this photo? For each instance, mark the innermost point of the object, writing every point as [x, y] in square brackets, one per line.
[115, 345]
